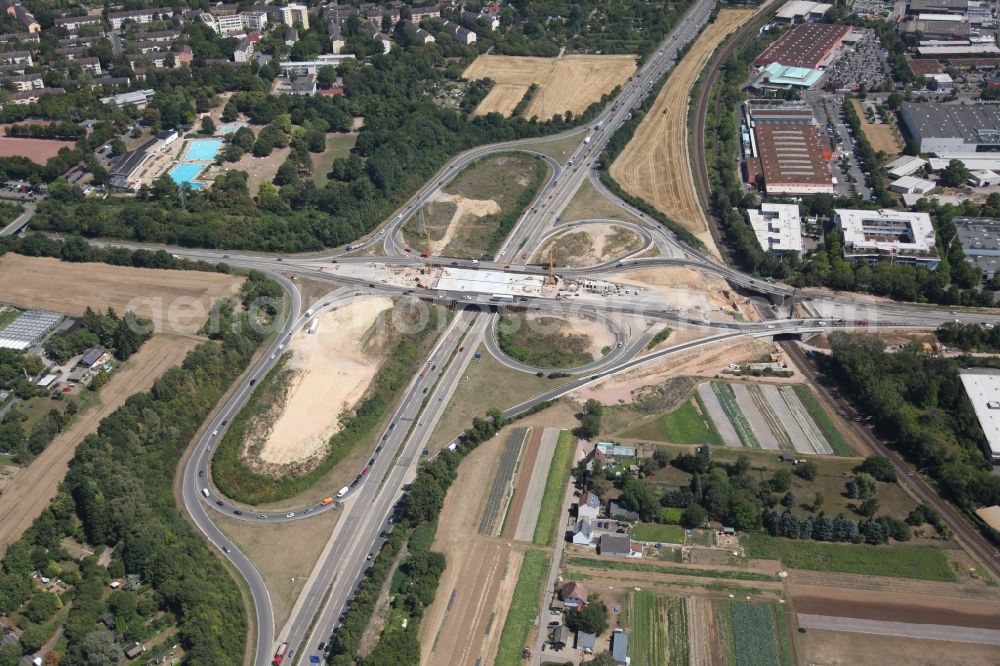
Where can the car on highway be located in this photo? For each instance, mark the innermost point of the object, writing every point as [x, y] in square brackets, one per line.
[371, 462]
[364, 470]
[407, 250]
[237, 512]
[201, 473]
[440, 182]
[262, 515]
[252, 382]
[290, 514]
[219, 503]
[227, 549]
[273, 356]
[215, 433]
[281, 346]
[378, 449]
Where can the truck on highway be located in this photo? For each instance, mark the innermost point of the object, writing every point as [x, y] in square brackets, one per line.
[587, 140]
[309, 313]
[502, 299]
[327, 501]
[279, 655]
[349, 248]
[342, 492]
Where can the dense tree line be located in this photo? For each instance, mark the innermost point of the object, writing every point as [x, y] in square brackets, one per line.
[970, 337]
[63, 130]
[918, 404]
[123, 335]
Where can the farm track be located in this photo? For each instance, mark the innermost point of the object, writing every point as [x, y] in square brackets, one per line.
[760, 402]
[699, 631]
[797, 577]
[502, 481]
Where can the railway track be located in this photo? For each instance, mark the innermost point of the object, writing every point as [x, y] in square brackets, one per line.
[700, 166]
[911, 481]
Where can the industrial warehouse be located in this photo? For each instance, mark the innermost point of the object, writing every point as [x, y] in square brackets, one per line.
[941, 128]
[898, 236]
[811, 46]
[783, 145]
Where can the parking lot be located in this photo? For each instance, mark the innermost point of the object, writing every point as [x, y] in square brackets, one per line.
[826, 108]
[864, 64]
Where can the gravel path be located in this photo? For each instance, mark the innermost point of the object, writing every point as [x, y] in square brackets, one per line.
[940, 632]
[763, 434]
[718, 415]
[536, 487]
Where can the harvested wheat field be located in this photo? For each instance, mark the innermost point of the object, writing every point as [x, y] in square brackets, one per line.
[176, 301]
[567, 83]
[31, 490]
[330, 370]
[654, 164]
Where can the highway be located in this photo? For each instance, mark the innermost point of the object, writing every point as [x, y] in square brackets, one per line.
[369, 503]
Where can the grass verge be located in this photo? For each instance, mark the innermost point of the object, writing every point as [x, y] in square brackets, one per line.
[896, 561]
[550, 509]
[523, 608]
[823, 420]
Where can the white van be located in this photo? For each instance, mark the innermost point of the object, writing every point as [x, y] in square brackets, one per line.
[342, 492]
[204, 491]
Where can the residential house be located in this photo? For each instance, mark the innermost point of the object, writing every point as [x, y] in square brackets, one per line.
[475, 17]
[118, 19]
[583, 533]
[291, 36]
[17, 58]
[458, 33]
[585, 642]
[423, 37]
[27, 82]
[244, 51]
[71, 52]
[418, 14]
[133, 650]
[90, 64]
[304, 85]
[588, 507]
[574, 594]
[26, 19]
[336, 33]
[74, 23]
[31, 96]
[616, 510]
[619, 545]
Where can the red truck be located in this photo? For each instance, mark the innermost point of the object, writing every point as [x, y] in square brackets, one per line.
[279, 655]
[425, 255]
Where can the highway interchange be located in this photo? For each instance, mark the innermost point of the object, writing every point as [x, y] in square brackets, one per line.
[367, 506]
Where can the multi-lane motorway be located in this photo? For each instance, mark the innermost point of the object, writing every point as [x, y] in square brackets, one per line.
[368, 504]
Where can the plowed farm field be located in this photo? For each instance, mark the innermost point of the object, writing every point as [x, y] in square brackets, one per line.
[568, 83]
[654, 164]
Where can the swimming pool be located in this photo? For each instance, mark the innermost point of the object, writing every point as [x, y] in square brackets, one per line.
[229, 129]
[185, 173]
[203, 149]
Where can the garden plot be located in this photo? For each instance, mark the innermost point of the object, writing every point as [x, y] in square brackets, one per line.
[502, 481]
[801, 429]
[727, 400]
[758, 425]
[718, 415]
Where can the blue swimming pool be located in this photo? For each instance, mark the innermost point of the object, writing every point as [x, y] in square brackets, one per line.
[185, 173]
[203, 149]
[229, 129]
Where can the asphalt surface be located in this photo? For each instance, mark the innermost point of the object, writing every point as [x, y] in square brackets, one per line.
[20, 221]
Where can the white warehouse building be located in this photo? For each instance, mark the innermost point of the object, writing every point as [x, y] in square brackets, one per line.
[982, 385]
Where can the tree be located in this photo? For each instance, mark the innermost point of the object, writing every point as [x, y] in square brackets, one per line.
[955, 174]
[326, 76]
[590, 419]
[868, 508]
[637, 496]
[694, 516]
[592, 619]
[98, 649]
[806, 470]
[781, 481]
[207, 125]
[879, 467]
[34, 637]
[9, 654]
[788, 500]
[867, 485]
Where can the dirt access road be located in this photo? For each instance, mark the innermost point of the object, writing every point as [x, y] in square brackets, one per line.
[33, 488]
[655, 164]
[567, 83]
